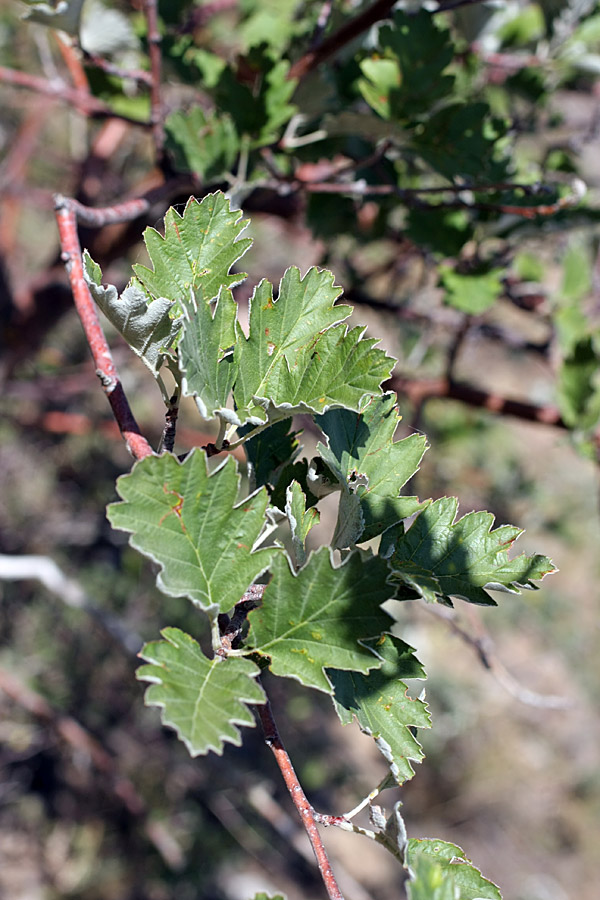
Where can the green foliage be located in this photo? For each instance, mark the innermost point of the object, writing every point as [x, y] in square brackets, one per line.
[439, 558]
[319, 621]
[187, 521]
[439, 871]
[321, 617]
[381, 704]
[202, 143]
[202, 699]
[471, 292]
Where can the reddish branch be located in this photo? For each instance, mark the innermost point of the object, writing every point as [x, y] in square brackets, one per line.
[307, 813]
[418, 390]
[106, 370]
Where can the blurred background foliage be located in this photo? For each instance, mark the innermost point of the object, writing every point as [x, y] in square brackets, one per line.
[480, 304]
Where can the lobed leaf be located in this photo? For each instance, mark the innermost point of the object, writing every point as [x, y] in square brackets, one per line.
[439, 558]
[186, 520]
[440, 871]
[197, 251]
[201, 142]
[362, 444]
[147, 325]
[298, 357]
[321, 618]
[205, 351]
[202, 699]
[381, 705]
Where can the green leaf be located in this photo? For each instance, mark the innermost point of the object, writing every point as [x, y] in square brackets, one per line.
[363, 445]
[577, 272]
[269, 452]
[147, 325]
[301, 520]
[202, 699]
[263, 896]
[197, 252]
[439, 558]
[202, 143]
[474, 292]
[205, 351]
[463, 141]
[578, 385]
[440, 871]
[257, 96]
[382, 707]
[321, 618]
[186, 520]
[443, 231]
[294, 360]
[419, 50]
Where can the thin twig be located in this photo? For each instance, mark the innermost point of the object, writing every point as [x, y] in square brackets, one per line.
[154, 42]
[110, 68]
[419, 389]
[106, 370]
[307, 813]
[86, 103]
[348, 31]
[483, 647]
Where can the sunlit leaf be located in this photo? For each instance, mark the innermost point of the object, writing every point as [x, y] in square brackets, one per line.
[187, 521]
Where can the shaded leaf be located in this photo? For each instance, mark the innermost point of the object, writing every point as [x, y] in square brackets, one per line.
[439, 558]
[269, 452]
[186, 521]
[462, 140]
[197, 252]
[409, 78]
[202, 699]
[362, 444]
[381, 705]
[321, 617]
[578, 385]
[147, 325]
[440, 871]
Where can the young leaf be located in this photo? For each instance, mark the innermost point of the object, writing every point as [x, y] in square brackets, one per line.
[202, 143]
[439, 558]
[205, 358]
[147, 325]
[440, 871]
[362, 444]
[185, 519]
[301, 520]
[298, 358]
[202, 699]
[321, 617]
[197, 252]
[281, 328]
[381, 705]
